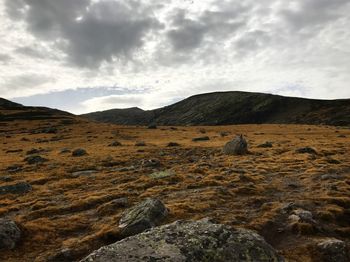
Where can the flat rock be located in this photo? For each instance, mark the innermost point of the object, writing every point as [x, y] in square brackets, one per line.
[35, 159]
[194, 241]
[19, 188]
[202, 138]
[142, 216]
[84, 173]
[162, 174]
[10, 234]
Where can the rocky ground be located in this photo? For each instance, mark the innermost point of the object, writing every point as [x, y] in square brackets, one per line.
[66, 183]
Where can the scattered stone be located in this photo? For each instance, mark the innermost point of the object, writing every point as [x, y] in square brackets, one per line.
[35, 151]
[172, 144]
[25, 139]
[142, 216]
[333, 250]
[6, 179]
[194, 241]
[223, 133]
[237, 146]
[202, 138]
[267, 144]
[14, 151]
[330, 176]
[124, 169]
[140, 143]
[342, 136]
[84, 173]
[65, 151]
[14, 168]
[151, 163]
[10, 234]
[19, 188]
[35, 159]
[79, 152]
[332, 161]
[301, 215]
[162, 174]
[306, 150]
[115, 143]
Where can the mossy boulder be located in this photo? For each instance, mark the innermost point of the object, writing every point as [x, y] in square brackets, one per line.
[237, 146]
[196, 241]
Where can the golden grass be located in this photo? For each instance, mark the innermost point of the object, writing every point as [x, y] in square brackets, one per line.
[65, 211]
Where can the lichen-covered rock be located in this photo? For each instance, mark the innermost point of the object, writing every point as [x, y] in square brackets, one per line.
[333, 250]
[142, 216]
[10, 234]
[189, 241]
[237, 146]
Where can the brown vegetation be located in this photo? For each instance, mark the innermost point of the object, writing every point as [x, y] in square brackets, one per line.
[68, 212]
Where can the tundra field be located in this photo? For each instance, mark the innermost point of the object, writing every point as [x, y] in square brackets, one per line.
[69, 204]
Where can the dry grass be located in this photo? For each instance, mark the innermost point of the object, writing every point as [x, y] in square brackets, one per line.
[76, 212]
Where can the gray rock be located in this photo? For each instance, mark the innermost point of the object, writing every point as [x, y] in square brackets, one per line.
[19, 188]
[202, 138]
[237, 146]
[10, 234]
[333, 250]
[84, 173]
[189, 241]
[35, 159]
[142, 216]
[79, 152]
[306, 150]
[267, 144]
[115, 143]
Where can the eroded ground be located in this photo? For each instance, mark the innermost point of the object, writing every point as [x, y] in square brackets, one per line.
[74, 213]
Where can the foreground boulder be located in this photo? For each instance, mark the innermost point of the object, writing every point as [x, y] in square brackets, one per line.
[9, 234]
[237, 146]
[144, 215]
[333, 250]
[189, 241]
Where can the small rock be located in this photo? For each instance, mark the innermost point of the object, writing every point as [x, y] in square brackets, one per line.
[162, 174]
[172, 144]
[34, 151]
[115, 143]
[6, 179]
[333, 250]
[202, 138]
[79, 152]
[151, 163]
[152, 126]
[237, 146]
[84, 173]
[142, 216]
[14, 168]
[267, 144]
[65, 151]
[306, 150]
[304, 215]
[140, 143]
[333, 161]
[35, 159]
[223, 133]
[10, 234]
[19, 188]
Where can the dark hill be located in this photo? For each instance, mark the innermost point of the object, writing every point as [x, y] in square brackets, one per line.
[224, 108]
[10, 111]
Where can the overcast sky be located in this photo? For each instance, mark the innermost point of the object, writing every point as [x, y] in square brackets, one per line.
[88, 55]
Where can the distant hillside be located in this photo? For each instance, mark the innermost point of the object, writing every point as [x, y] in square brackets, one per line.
[5, 104]
[224, 108]
[10, 111]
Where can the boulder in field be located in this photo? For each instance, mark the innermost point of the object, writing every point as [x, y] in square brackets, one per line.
[10, 234]
[237, 146]
[194, 241]
[147, 214]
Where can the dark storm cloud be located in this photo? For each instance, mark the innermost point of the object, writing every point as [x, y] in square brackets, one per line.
[313, 13]
[188, 33]
[89, 33]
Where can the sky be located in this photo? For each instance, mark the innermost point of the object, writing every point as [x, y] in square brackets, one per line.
[91, 55]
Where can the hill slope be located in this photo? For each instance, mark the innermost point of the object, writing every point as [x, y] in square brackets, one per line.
[224, 108]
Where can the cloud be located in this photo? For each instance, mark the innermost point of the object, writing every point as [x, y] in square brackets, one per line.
[88, 32]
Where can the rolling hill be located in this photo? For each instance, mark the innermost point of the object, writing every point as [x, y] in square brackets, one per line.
[225, 108]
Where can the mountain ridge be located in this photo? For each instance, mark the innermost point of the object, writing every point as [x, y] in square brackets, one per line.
[234, 107]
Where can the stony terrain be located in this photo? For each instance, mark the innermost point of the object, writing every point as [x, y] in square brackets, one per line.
[66, 182]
